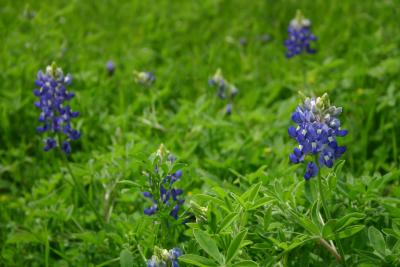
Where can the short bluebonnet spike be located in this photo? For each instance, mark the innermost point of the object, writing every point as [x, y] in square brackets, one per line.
[225, 90]
[163, 257]
[300, 36]
[110, 67]
[169, 196]
[228, 109]
[55, 113]
[174, 254]
[318, 126]
[145, 78]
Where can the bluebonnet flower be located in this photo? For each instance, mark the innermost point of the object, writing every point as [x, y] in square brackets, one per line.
[169, 196]
[55, 113]
[228, 109]
[300, 36]
[174, 254]
[145, 78]
[110, 67]
[225, 90]
[318, 127]
[162, 257]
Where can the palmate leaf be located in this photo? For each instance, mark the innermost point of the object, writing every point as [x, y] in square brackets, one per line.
[208, 245]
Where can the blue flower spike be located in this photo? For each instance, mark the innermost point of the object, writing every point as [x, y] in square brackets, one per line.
[225, 90]
[144, 78]
[110, 67]
[299, 36]
[318, 126]
[55, 113]
[164, 195]
[163, 257]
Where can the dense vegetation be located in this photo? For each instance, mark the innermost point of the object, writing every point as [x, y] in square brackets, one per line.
[230, 195]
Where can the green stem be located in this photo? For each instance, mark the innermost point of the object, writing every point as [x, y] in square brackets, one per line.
[327, 212]
[304, 74]
[80, 190]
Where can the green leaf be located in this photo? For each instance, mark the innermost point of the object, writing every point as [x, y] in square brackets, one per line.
[22, 237]
[377, 240]
[214, 200]
[338, 168]
[267, 218]
[126, 258]
[349, 219]
[260, 202]
[308, 225]
[227, 221]
[197, 260]
[352, 230]
[251, 194]
[208, 245]
[245, 264]
[239, 200]
[329, 229]
[235, 246]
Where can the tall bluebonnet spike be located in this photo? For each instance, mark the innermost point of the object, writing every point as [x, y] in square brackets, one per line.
[318, 126]
[55, 113]
[110, 67]
[300, 37]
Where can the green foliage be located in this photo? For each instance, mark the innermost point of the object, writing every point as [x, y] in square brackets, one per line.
[245, 204]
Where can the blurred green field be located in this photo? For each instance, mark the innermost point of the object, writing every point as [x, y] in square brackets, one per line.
[44, 222]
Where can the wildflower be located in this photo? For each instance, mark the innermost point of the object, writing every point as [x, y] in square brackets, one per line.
[300, 36]
[224, 89]
[169, 196]
[174, 254]
[145, 78]
[163, 257]
[318, 127]
[110, 67]
[228, 109]
[55, 114]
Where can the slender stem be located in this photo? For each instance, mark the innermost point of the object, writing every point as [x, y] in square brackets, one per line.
[327, 212]
[80, 190]
[330, 248]
[304, 74]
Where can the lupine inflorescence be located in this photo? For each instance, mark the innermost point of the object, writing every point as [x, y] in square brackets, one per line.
[145, 78]
[110, 67]
[169, 196]
[164, 258]
[55, 114]
[318, 127]
[225, 90]
[163, 194]
[300, 36]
